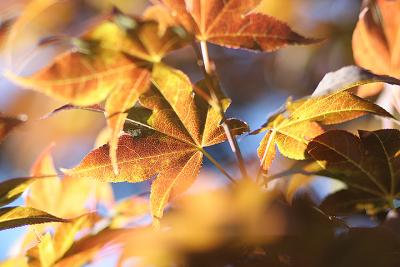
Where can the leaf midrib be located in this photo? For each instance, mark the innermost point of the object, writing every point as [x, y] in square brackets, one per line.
[371, 178]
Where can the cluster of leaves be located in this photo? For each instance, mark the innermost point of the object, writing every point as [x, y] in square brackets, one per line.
[117, 68]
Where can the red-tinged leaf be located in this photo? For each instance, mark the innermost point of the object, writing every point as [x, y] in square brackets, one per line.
[117, 105]
[376, 41]
[105, 59]
[11, 217]
[168, 143]
[367, 164]
[233, 24]
[81, 79]
[8, 123]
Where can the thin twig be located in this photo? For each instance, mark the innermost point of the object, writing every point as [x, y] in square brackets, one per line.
[217, 165]
[209, 73]
[269, 143]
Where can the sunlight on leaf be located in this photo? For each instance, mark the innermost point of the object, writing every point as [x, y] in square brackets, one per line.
[12, 217]
[66, 197]
[292, 129]
[376, 41]
[233, 24]
[169, 142]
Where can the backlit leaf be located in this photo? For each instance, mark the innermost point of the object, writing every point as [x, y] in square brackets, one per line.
[118, 103]
[368, 164]
[349, 77]
[111, 62]
[11, 217]
[66, 197]
[232, 23]
[13, 188]
[167, 143]
[51, 248]
[12, 262]
[160, 14]
[376, 39]
[44, 254]
[292, 129]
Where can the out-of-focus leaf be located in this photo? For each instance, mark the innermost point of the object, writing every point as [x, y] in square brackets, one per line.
[350, 77]
[12, 262]
[66, 197]
[367, 164]
[7, 124]
[233, 24]
[66, 233]
[11, 217]
[4, 30]
[111, 62]
[87, 247]
[44, 254]
[81, 79]
[292, 130]
[206, 221]
[128, 209]
[349, 201]
[376, 40]
[169, 143]
[160, 14]
[51, 248]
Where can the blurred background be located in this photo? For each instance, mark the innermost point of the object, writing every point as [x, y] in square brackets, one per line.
[257, 83]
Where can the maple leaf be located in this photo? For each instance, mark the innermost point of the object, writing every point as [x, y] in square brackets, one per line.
[293, 128]
[232, 24]
[367, 164]
[376, 41]
[167, 143]
[112, 63]
[8, 123]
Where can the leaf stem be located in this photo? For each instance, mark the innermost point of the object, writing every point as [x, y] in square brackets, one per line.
[209, 72]
[216, 164]
[269, 143]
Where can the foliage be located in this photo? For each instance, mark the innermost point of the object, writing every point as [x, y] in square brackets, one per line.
[160, 125]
